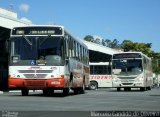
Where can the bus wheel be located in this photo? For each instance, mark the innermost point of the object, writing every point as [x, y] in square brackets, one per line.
[118, 89]
[48, 92]
[125, 89]
[65, 91]
[45, 92]
[76, 91]
[93, 85]
[128, 89]
[149, 88]
[142, 89]
[25, 92]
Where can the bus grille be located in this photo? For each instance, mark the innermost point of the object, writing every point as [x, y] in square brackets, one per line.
[26, 71]
[35, 71]
[35, 75]
[36, 83]
[127, 83]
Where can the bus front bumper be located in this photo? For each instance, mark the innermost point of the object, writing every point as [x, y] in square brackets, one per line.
[128, 84]
[17, 83]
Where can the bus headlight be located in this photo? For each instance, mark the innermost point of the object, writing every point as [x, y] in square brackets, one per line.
[12, 76]
[139, 79]
[116, 80]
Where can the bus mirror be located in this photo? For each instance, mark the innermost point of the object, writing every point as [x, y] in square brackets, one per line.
[15, 59]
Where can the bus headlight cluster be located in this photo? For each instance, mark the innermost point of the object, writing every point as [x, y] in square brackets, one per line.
[15, 76]
[139, 79]
[116, 80]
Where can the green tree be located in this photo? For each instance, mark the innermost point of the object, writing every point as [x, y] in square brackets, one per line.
[97, 40]
[103, 42]
[156, 62]
[115, 44]
[139, 47]
[89, 38]
[125, 42]
[107, 42]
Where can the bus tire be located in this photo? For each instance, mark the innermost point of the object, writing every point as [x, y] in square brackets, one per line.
[48, 92]
[93, 85]
[149, 88]
[65, 92]
[128, 89]
[45, 92]
[125, 89]
[25, 92]
[118, 89]
[142, 89]
[76, 91]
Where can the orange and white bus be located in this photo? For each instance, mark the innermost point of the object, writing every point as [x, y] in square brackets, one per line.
[48, 58]
[131, 70]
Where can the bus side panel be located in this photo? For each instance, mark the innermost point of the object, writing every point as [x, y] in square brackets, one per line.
[102, 80]
[76, 68]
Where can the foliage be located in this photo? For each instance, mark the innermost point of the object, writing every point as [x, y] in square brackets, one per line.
[104, 42]
[89, 38]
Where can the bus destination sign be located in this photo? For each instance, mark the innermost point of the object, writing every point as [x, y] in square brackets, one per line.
[127, 55]
[37, 31]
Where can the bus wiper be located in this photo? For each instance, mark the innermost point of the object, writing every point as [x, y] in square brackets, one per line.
[44, 40]
[30, 43]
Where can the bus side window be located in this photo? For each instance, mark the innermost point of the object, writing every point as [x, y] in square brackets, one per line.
[109, 69]
[145, 61]
[91, 69]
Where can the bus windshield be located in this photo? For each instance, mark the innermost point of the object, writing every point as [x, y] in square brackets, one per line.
[29, 48]
[127, 66]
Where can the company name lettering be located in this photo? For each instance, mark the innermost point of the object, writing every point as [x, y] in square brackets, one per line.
[101, 77]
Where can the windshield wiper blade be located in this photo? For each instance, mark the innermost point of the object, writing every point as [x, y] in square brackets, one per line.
[30, 43]
[44, 40]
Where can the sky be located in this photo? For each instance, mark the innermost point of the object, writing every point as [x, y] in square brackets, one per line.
[135, 20]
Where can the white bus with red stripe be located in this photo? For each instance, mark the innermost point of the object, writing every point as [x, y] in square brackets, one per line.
[100, 75]
[48, 58]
